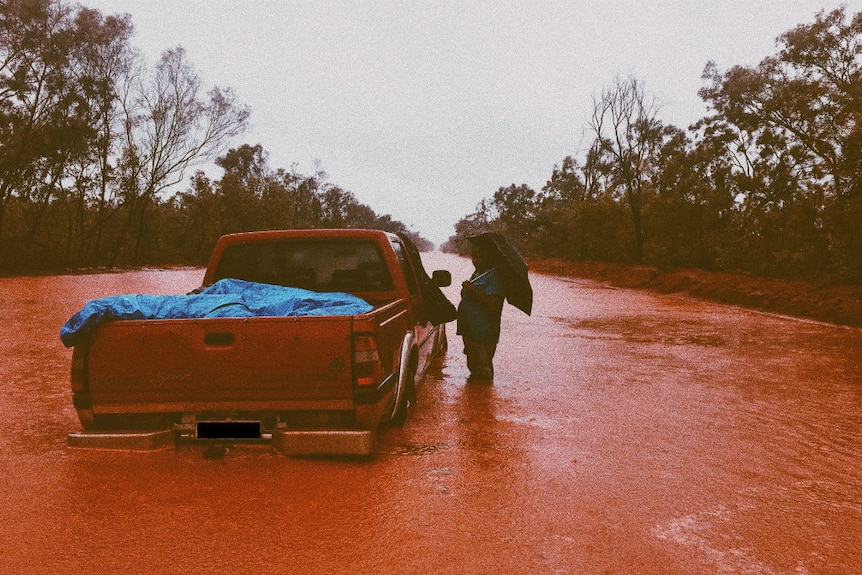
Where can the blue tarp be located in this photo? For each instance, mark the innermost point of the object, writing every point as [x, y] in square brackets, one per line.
[225, 298]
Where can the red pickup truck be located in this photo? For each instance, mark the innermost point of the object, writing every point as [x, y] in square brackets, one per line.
[311, 384]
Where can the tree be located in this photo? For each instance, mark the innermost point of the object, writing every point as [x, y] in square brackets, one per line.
[558, 207]
[168, 127]
[796, 119]
[514, 209]
[629, 136]
[92, 142]
[107, 59]
[51, 93]
[479, 221]
[578, 215]
[694, 197]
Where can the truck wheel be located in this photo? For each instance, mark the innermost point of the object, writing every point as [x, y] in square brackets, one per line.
[407, 396]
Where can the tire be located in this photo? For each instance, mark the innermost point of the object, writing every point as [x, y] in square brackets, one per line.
[406, 398]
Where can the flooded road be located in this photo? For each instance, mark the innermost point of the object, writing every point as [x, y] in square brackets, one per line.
[626, 432]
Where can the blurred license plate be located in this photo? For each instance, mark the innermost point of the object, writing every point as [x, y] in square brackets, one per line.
[228, 430]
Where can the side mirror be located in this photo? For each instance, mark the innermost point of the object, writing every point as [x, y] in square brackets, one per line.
[441, 278]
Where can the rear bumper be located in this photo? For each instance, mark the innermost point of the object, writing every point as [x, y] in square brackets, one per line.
[123, 440]
[324, 442]
[287, 441]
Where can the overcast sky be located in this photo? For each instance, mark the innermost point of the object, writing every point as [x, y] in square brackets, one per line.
[422, 109]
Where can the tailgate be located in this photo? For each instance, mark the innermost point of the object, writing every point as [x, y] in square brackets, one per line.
[211, 364]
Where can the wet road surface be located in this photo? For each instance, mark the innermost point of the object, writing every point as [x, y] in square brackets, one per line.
[626, 432]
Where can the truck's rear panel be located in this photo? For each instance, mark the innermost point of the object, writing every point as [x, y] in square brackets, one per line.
[214, 365]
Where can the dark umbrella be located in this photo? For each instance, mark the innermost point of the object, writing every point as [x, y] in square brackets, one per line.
[512, 267]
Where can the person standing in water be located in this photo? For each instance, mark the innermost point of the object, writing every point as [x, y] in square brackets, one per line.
[479, 314]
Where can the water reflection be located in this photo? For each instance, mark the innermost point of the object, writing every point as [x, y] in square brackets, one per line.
[480, 431]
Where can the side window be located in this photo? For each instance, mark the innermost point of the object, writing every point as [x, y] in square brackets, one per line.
[412, 287]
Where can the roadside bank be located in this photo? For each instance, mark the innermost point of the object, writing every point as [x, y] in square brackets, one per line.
[838, 304]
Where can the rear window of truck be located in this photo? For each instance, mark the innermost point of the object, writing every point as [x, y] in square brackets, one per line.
[318, 265]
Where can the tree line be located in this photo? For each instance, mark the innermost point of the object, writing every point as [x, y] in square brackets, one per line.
[94, 143]
[769, 182]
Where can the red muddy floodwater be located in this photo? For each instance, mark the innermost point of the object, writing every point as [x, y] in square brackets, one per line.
[626, 432]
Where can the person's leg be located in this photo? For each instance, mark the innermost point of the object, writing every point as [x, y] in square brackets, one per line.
[480, 358]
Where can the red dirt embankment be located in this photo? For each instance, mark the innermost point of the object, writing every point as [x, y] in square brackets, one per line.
[838, 304]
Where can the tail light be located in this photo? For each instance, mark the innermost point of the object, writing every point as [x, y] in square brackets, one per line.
[79, 369]
[366, 361]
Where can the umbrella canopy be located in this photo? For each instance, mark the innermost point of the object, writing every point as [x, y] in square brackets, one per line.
[512, 266]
